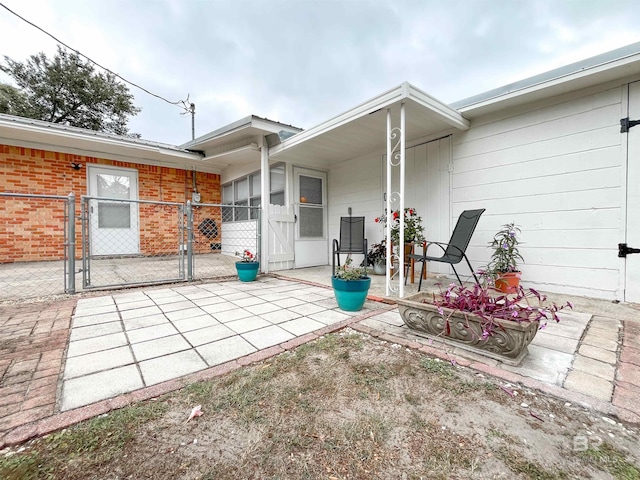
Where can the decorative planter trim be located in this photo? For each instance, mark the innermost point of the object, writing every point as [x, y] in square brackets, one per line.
[508, 342]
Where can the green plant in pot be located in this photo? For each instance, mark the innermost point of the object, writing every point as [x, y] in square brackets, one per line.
[350, 286]
[248, 266]
[503, 269]
[377, 257]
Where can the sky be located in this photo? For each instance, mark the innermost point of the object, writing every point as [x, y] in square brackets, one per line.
[301, 62]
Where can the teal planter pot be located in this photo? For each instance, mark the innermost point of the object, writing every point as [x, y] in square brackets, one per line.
[247, 271]
[351, 294]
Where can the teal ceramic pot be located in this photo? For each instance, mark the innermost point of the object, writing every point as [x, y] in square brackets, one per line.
[247, 271]
[351, 294]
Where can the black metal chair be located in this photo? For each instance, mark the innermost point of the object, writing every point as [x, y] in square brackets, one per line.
[351, 240]
[454, 251]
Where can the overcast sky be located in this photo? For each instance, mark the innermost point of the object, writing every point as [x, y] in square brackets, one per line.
[301, 62]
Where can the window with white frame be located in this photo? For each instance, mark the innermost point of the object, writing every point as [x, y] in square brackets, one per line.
[244, 192]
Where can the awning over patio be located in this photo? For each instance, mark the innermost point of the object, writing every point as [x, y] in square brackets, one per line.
[363, 129]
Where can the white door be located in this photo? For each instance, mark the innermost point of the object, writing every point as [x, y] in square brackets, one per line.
[310, 201]
[113, 225]
[632, 263]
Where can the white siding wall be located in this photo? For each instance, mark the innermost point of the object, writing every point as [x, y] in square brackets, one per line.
[557, 172]
[360, 184]
[356, 183]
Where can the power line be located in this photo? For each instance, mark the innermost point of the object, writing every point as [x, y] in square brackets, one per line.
[188, 107]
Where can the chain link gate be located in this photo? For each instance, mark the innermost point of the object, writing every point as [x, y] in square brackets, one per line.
[217, 233]
[132, 242]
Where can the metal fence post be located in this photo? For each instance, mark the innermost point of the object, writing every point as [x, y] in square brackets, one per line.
[71, 252]
[189, 241]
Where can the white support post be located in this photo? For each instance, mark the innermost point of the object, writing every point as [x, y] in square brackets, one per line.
[265, 195]
[387, 233]
[402, 172]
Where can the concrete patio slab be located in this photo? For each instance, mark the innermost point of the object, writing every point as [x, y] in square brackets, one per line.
[97, 362]
[208, 334]
[224, 350]
[195, 323]
[171, 366]
[81, 391]
[91, 345]
[151, 333]
[159, 347]
[267, 337]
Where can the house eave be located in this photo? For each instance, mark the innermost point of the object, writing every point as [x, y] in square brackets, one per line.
[368, 116]
[28, 133]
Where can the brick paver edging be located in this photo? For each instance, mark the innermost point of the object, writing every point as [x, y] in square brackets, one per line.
[559, 392]
[62, 420]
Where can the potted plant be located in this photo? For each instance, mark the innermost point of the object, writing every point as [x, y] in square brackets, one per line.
[377, 257]
[503, 268]
[350, 286]
[247, 267]
[477, 319]
[413, 229]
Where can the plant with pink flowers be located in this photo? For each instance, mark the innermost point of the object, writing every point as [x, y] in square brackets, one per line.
[522, 306]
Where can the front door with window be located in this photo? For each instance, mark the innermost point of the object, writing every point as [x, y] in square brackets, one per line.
[310, 199]
[114, 225]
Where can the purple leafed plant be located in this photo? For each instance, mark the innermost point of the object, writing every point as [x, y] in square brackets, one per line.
[489, 304]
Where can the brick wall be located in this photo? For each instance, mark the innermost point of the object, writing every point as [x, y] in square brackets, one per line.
[33, 230]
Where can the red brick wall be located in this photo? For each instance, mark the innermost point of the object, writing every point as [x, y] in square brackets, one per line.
[33, 230]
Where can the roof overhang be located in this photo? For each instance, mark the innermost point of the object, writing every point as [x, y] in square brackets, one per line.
[29, 133]
[620, 64]
[239, 142]
[363, 129]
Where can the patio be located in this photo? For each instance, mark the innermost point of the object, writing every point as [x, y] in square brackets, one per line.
[124, 346]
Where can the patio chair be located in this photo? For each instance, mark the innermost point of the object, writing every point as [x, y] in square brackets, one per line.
[351, 240]
[454, 251]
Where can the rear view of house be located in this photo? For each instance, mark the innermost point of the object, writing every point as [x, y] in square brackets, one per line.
[558, 154]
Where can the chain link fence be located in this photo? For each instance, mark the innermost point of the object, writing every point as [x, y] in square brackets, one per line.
[117, 243]
[219, 233]
[34, 241]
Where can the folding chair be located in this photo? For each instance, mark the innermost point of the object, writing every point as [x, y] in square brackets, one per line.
[454, 251]
[351, 239]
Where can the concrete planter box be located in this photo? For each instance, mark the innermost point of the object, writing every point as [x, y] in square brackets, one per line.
[508, 343]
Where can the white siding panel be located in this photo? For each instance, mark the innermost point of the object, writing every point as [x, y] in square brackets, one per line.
[557, 172]
[574, 162]
[543, 185]
[579, 200]
[356, 183]
[549, 149]
[564, 127]
[489, 126]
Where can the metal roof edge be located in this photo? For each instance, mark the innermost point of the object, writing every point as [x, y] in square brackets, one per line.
[244, 122]
[100, 138]
[24, 123]
[565, 73]
[450, 115]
